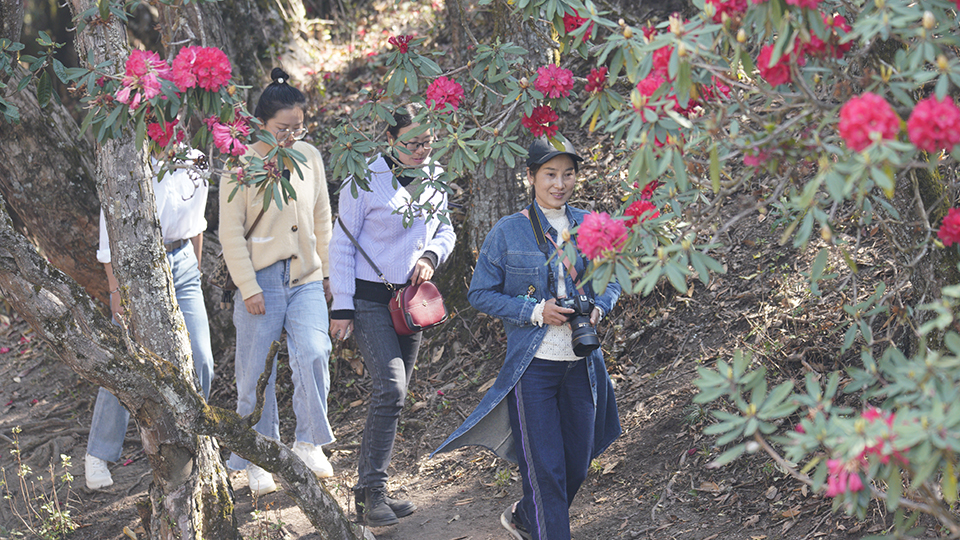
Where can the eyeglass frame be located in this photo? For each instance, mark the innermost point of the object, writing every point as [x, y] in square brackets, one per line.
[282, 134]
[417, 145]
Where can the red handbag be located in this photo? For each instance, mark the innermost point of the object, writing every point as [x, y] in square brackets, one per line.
[417, 307]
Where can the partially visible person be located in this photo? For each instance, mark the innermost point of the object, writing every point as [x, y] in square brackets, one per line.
[180, 202]
[551, 408]
[406, 255]
[281, 273]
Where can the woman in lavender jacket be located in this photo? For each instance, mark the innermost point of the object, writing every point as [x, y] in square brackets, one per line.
[405, 254]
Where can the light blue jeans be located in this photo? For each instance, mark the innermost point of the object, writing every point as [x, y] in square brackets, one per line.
[110, 419]
[302, 312]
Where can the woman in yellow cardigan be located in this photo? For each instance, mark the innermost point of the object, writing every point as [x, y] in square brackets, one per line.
[281, 271]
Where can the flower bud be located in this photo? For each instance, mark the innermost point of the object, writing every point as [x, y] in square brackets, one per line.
[826, 234]
[676, 24]
[524, 82]
[879, 3]
[741, 36]
[231, 90]
[686, 244]
[752, 447]
[942, 63]
[565, 235]
[929, 22]
[627, 32]
[709, 10]
[681, 50]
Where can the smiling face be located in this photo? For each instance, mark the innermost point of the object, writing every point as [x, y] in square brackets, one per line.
[418, 148]
[553, 182]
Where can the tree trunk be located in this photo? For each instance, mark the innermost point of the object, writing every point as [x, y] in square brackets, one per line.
[11, 19]
[166, 403]
[503, 193]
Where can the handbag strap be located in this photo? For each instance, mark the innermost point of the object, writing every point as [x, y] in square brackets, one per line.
[389, 285]
[541, 242]
[246, 235]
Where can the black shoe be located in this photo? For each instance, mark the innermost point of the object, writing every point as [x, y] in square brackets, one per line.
[512, 524]
[401, 508]
[376, 512]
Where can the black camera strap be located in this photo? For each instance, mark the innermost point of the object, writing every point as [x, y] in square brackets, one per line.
[531, 214]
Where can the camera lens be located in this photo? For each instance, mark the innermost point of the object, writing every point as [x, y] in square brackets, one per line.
[584, 338]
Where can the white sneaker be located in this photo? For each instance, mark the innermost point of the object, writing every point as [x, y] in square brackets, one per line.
[314, 458]
[97, 473]
[261, 482]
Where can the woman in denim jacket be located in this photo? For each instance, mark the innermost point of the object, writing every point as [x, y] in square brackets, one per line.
[405, 253]
[549, 410]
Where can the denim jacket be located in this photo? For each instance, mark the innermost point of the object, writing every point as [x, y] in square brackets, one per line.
[510, 278]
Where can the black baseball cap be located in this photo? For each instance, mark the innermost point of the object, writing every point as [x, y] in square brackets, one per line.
[542, 150]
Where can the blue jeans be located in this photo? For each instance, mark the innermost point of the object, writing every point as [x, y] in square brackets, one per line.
[302, 312]
[552, 417]
[110, 419]
[389, 359]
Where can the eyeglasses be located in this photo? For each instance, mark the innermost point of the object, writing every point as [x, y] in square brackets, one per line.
[415, 146]
[295, 134]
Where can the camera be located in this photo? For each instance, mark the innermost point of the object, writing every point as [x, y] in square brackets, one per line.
[584, 337]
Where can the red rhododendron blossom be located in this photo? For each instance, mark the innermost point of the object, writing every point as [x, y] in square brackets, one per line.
[842, 477]
[719, 90]
[596, 80]
[934, 125]
[867, 118]
[730, 7]
[402, 43]
[141, 81]
[206, 67]
[837, 27]
[162, 134]
[883, 447]
[640, 211]
[229, 138]
[809, 4]
[541, 121]
[443, 91]
[756, 158]
[776, 74]
[949, 232]
[600, 235]
[661, 59]
[648, 86]
[572, 21]
[553, 81]
[647, 192]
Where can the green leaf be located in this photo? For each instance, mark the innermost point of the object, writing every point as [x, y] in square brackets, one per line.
[44, 89]
[728, 456]
[714, 169]
[104, 6]
[60, 71]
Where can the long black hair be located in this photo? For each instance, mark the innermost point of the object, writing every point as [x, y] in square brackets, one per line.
[277, 96]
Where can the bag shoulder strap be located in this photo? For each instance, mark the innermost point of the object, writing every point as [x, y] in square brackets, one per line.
[246, 235]
[542, 242]
[346, 231]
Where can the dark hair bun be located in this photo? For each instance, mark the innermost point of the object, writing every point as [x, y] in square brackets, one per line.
[279, 76]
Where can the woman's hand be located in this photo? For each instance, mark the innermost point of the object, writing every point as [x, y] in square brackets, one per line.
[327, 293]
[255, 304]
[341, 328]
[595, 316]
[423, 271]
[554, 314]
[116, 308]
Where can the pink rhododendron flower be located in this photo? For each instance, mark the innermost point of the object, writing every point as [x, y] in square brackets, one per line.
[755, 158]
[443, 91]
[141, 80]
[553, 81]
[934, 125]
[162, 134]
[717, 91]
[541, 121]
[206, 67]
[817, 47]
[402, 43]
[776, 74]
[229, 138]
[842, 477]
[572, 21]
[882, 447]
[4, 350]
[648, 86]
[730, 7]
[661, 59]
[640, 211]
[949, 232]
[596, 80]
[866, 118]
[809, 4]
[600, 235]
